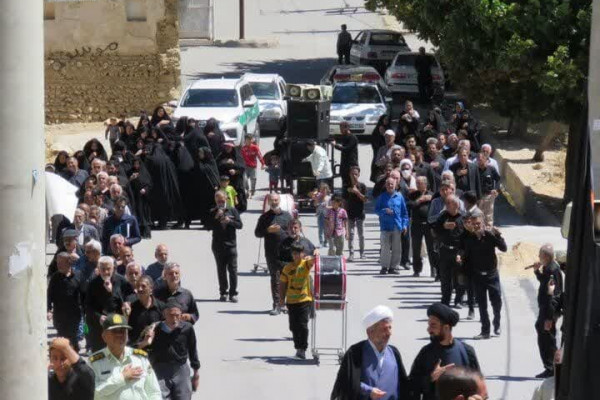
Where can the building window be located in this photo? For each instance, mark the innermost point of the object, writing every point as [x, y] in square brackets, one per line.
[49, 11]
[135, 10]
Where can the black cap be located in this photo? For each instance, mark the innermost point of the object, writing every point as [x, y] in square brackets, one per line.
[172, 303]
[115, 321]
[444, 313]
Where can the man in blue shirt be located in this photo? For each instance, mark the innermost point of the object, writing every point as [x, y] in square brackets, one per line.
[119, 222]
[393, 222]
[373, 369]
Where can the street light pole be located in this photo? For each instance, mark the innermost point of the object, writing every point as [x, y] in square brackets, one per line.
[242, 20]
[23, 362]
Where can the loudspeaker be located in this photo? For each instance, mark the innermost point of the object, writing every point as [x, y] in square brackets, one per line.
[308, 119]
[295, 152]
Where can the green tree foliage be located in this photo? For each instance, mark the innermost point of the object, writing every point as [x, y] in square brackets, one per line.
[526, 58]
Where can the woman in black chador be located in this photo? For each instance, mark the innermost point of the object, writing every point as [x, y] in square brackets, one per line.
[231, 163]
[141, 187]
[94, 149]
[205, 178]
[165, 199]
[214, 136]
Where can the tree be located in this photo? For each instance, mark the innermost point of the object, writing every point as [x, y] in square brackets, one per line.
[528, 59]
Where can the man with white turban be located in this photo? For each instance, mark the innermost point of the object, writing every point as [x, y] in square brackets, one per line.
[372, 368]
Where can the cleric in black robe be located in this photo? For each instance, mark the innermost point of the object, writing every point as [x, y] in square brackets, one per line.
[94, 149]
[141, 188]
[165, 200]
[214, 136]
[231, 163]
[443, 350]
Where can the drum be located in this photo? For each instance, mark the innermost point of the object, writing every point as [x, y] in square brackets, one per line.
[330, 282]
[286, 203]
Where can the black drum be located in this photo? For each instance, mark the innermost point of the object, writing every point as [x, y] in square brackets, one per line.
[330, 282]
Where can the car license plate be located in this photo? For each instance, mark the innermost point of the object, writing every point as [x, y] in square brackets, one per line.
[357, 126]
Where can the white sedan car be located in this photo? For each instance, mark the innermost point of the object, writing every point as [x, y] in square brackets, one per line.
[269, 89]
[359, 104]
[401, 76]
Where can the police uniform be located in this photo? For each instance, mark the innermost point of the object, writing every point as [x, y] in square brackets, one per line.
[110, 383]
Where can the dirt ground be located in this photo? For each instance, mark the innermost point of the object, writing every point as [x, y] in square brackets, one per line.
[520, 255]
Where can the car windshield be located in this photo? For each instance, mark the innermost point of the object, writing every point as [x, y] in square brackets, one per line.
[409, 60]
[355, 95]
[211, 98]
[265, 90]
[387, 39]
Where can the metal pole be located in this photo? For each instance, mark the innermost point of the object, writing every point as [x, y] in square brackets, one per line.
[242, 20]
[594, 97]
[23, 369]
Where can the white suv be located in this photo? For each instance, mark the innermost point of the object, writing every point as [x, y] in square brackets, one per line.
[229, 101]
[269, 89]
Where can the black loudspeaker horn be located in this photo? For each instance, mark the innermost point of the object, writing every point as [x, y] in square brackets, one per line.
[308, 119]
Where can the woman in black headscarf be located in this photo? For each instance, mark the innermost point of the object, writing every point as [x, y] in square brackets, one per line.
[129, 136]
[94, 149]
[165, 199]
[378, 140]
[60, 162]
[231, 163]
[205, 179]
[433, 125]
[193, 137]
[214, 136]
[141, 188]
[82, 160]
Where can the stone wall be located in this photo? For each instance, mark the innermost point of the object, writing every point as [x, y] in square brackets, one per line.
[109, 71]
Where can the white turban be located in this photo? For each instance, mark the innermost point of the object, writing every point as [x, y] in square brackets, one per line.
[377, 314]
[390, 132]
[406, 161]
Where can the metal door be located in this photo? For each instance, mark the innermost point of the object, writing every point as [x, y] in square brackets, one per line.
[195, 19]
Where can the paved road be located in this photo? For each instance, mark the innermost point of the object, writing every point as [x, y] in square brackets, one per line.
[246, 353]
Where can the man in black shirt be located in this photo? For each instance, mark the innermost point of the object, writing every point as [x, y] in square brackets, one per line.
[170, 344]
[71, 378]
[422, 168]
[547, 272]
[171, 288]
[448, 229]
[348, 145]
[106, 294]
[224, 221]
[466, 173]
[65, 294]
[155, 270]
[344, 44]
[295, 236]
[490, 181]
[418, 202]
[355, 196]
[271, 226]
[478, 254]
[443, 353]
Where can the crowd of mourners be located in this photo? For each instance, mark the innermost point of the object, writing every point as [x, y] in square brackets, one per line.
[434, 182]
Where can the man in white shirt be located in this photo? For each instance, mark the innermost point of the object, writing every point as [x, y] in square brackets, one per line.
[487, 149]
[319, 162]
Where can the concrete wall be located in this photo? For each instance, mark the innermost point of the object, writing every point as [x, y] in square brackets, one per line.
[107, 57]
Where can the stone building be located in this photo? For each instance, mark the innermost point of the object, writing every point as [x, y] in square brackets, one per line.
[107, 57]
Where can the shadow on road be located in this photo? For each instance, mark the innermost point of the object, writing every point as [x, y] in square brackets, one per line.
[244, 312]
[281, 360]
[264, 340]
[511, 378]
[292, 70]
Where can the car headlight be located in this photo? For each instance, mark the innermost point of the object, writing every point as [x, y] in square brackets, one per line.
[374, 118]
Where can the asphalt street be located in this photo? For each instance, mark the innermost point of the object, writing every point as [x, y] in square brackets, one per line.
[245, 352]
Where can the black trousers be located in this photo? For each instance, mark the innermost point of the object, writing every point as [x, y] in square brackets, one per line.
[546, 343]
[464, 284]
[447, 266]
[275, 266]
[344, 56]
[298, 315]
[69, 329]
[405, 241]
[425, 88]
[226, 259]
[417, 232]
[488, 285]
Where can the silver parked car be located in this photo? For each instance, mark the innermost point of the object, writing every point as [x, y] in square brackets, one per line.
[401, 76]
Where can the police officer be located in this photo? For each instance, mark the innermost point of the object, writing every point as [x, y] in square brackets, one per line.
[171, 343]
[479, 257]
[448, 228]
[122, 373]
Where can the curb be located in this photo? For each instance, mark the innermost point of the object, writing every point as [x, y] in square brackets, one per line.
[241, 43]
[519, 195]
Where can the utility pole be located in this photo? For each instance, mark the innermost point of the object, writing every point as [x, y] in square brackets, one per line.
[23, 364]
[594, 97]
[242, 20]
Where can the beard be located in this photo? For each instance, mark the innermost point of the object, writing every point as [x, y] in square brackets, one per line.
[436, 338]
